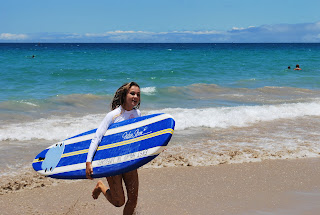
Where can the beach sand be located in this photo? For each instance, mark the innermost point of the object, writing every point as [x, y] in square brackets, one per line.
[269, 187]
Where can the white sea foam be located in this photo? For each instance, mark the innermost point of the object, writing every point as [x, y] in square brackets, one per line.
[278, 139]
[28, 103]
[221, 117]
[50, 129]
[149, 90]
[239, 116]
[203, 136]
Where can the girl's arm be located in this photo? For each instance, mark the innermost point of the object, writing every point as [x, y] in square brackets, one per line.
[103, 127]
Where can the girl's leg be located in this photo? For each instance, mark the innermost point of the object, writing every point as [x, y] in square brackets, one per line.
[131, 181]
[115, 194]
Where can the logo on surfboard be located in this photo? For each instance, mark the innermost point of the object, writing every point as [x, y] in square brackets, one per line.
[136, 133]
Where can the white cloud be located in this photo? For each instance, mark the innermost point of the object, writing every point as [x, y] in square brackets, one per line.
[117, 32]
[8, 36]
[193, 32]
[241, 28]
[127, 32]
[237, 29]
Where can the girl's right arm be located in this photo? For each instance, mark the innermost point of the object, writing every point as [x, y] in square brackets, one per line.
[103, 127]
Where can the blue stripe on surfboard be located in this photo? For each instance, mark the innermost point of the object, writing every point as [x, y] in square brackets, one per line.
[116, 125]
[134, 120]
[118, 137]
[117, 151]
[114, 169]
[83, 134]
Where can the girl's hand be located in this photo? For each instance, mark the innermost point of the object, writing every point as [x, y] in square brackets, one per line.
[89, 170]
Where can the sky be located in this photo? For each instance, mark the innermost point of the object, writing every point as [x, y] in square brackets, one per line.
[119, 21]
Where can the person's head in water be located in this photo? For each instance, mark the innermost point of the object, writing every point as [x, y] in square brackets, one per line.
[128, 96]
[297, 67]
[289, 67]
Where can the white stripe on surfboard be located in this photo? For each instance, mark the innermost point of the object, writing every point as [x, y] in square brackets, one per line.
[116, 130]
[105, 162]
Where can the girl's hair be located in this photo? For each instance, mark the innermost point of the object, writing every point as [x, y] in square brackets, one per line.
[120, 95]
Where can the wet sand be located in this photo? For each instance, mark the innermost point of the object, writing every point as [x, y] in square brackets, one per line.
[270, 187]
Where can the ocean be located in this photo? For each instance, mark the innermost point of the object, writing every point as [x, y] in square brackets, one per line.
[232, 103]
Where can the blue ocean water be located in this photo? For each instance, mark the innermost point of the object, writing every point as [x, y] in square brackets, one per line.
[60, 69]
[98, 69]
[240, 101]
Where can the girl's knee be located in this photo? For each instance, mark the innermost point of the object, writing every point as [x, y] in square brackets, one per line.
[100, 183]
[119, 203]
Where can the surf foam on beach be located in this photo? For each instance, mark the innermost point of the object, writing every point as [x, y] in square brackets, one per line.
[203, 137]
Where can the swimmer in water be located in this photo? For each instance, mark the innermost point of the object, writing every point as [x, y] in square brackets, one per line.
[297, 67]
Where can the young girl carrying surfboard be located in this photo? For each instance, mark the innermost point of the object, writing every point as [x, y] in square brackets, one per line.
[124, 106]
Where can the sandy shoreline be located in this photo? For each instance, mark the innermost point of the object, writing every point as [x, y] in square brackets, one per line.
[269, 187]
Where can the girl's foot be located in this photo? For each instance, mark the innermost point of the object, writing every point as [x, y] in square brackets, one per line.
[97, 190]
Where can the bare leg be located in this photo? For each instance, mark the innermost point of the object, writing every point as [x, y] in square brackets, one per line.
[115, 194]
[131, 181]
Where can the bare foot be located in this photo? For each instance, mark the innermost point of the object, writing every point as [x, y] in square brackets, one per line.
[97, 190]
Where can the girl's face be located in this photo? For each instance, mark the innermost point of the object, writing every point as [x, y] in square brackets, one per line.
[132, 98]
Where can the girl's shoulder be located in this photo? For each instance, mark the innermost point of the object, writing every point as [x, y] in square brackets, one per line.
[114, 112]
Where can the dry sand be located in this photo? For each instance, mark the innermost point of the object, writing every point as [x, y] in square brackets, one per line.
[279, 187]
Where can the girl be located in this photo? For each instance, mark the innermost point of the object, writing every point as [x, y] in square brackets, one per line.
[124, 106]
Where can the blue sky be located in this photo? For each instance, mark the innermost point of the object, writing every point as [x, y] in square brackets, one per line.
[160, 21]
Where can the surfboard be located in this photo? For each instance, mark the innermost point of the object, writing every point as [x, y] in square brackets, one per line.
[126, 146]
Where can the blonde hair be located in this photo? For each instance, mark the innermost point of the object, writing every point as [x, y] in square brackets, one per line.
[121, 94]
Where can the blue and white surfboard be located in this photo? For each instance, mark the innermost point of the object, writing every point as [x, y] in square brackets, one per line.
[126, 146]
